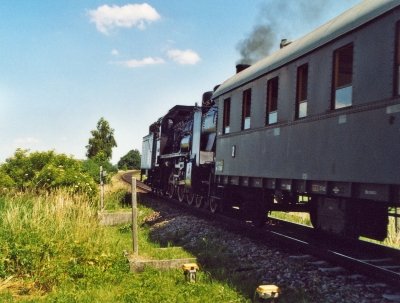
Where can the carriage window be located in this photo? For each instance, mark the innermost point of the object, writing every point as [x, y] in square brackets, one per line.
[272, 101]
[227, 113]
[397, 61]
[342, 77]
[301, 94]
[246, 109]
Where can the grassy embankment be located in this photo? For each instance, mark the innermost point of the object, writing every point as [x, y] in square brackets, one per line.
[52, 249]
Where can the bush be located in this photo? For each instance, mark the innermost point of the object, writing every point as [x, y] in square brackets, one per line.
[5, 181]
[44, 171]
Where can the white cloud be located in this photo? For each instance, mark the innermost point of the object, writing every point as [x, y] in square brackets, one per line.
[138, 63]
[129, 15]
[114, 52]
[25, 141]
[184, 57]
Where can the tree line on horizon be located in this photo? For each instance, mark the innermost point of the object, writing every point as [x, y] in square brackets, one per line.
[43, 171]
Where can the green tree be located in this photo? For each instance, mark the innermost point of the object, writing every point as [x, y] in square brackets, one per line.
[92, 167]
[102, 141]
[131, 160]
[44, 171]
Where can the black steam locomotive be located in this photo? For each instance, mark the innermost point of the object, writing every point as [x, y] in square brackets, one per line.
[314, 127]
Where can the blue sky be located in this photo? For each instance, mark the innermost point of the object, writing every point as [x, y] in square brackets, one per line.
[66, 64]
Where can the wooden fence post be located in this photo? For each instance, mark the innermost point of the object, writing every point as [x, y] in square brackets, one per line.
[134, 218]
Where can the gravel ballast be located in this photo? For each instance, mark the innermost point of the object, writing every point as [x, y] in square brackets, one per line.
[269, 263]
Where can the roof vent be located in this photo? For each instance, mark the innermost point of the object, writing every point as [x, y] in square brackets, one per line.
[284, 42]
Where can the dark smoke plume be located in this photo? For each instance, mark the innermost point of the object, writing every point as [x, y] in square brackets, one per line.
[257, 45]
[280, 19]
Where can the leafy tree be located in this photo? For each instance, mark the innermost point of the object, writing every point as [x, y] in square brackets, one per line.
[5, 181]
[102, 141]
[44, 171]
[92, 167]
[131, 160]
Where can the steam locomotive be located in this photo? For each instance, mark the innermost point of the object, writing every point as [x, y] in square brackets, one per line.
[314, 127]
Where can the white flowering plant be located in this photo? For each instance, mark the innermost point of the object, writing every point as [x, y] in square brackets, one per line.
[45, 171]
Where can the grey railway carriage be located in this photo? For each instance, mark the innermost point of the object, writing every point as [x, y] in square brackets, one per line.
[314, 127]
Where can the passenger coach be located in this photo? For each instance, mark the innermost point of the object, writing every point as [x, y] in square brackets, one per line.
[314, 127]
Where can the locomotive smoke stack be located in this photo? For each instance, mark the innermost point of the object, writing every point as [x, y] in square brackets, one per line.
[206, 100]
[241, 67]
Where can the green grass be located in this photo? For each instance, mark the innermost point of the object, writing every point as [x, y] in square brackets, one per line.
[148, 249]
[298, 218]
[150, 286]
[53, 250]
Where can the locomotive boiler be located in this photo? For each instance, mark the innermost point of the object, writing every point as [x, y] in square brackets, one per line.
[314, 127]
[178, 154]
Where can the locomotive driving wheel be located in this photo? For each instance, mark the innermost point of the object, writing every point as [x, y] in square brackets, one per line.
[190, 196]
[200, 201]
[214, 205]
[181, 192]
[171, 185]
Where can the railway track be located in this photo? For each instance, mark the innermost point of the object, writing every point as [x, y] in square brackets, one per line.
[363, 258]
[127, 177]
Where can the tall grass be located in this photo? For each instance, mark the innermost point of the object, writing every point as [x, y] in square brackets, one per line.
[52, 249]
[117, 194]
[47, 239]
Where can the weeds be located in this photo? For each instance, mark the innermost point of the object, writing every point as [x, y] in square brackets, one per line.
[52, 249]
[117, 195]
[50, 238]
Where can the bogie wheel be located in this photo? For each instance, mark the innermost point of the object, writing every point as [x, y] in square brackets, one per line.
[313, 211]
[190, 196]
[200, 201]
[171, 186]
[258, 219]
[254, 212]
[214, 205]
[181, 193]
